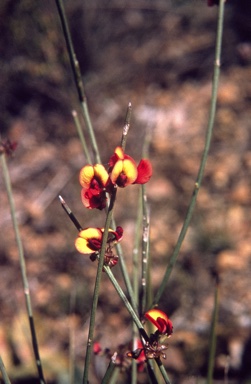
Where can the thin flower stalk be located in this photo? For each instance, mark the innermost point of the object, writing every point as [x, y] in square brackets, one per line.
[126, 302]
[126, 126]
[135, 284]
[78, 79]
[81, 136]
[96, 288]
[212, 347]
[122, 263]
[163, 371]
[145, 252]
[125, 274]
[7, 181]
[211, 120]
[4, 372]
[110, 370]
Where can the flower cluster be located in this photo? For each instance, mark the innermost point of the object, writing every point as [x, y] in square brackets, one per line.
[96, 181]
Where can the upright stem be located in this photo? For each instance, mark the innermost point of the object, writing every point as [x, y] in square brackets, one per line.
[204, 155]
[145, 251]
[78, 78]
[7, 181]
[96, 288]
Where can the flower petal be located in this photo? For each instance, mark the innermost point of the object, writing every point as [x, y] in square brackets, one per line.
[93, 198]
[116, 171]
[81, 246]
[86, 175]
[89, 240]
[160, 320]
[101, 174]
[144, 172]
[130, 170]
[119, 152]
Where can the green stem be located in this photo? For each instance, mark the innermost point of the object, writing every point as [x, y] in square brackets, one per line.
[126, 126]
[4, 372]
[110, 369]
[204, 155]
[126, 302]
[97, 287]
[163, 371]
[118, 246]
[81, 136]
[78, 78]
[7, 181]
[212, 347]
[145, 251]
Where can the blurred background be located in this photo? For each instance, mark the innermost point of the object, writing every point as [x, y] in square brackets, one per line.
[159, 56]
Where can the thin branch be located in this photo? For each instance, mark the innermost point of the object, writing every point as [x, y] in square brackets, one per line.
[78, 78]
[204, 155]
[7, 181]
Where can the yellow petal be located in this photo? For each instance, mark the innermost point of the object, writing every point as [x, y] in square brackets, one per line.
[119, 152]
[101, 173]
[130, 170]
[91, 233]
[81, 246]
[155, 313]
[86, 175]
[116, 171]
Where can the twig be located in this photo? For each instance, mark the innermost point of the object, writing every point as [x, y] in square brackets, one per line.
[78, 79]
[204, 155]
[7, 181]
[97, 286]
[81, 136]
[110, 369]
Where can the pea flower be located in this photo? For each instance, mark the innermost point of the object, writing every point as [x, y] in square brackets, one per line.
[160, 320]
[89, 242]
[93, 179]
[124, 170]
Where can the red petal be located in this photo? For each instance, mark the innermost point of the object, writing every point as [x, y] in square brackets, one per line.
[144, 172]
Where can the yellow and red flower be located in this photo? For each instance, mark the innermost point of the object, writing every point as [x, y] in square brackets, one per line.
[160, 320]
[93, 179]
[89, 242]
[124, 170]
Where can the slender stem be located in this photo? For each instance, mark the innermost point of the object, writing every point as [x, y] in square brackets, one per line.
[125, 274]
[135, 282]
[212, 347]
[70, 214]
[77, 78]
[118, 246]
[81, 136]
[163, 371]
[145, 250]
[126, 302]
[4, 372]
[7, 181]
[110, 369]
[204, 155]
[126, 126]
[151, 373]
[96, 288]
